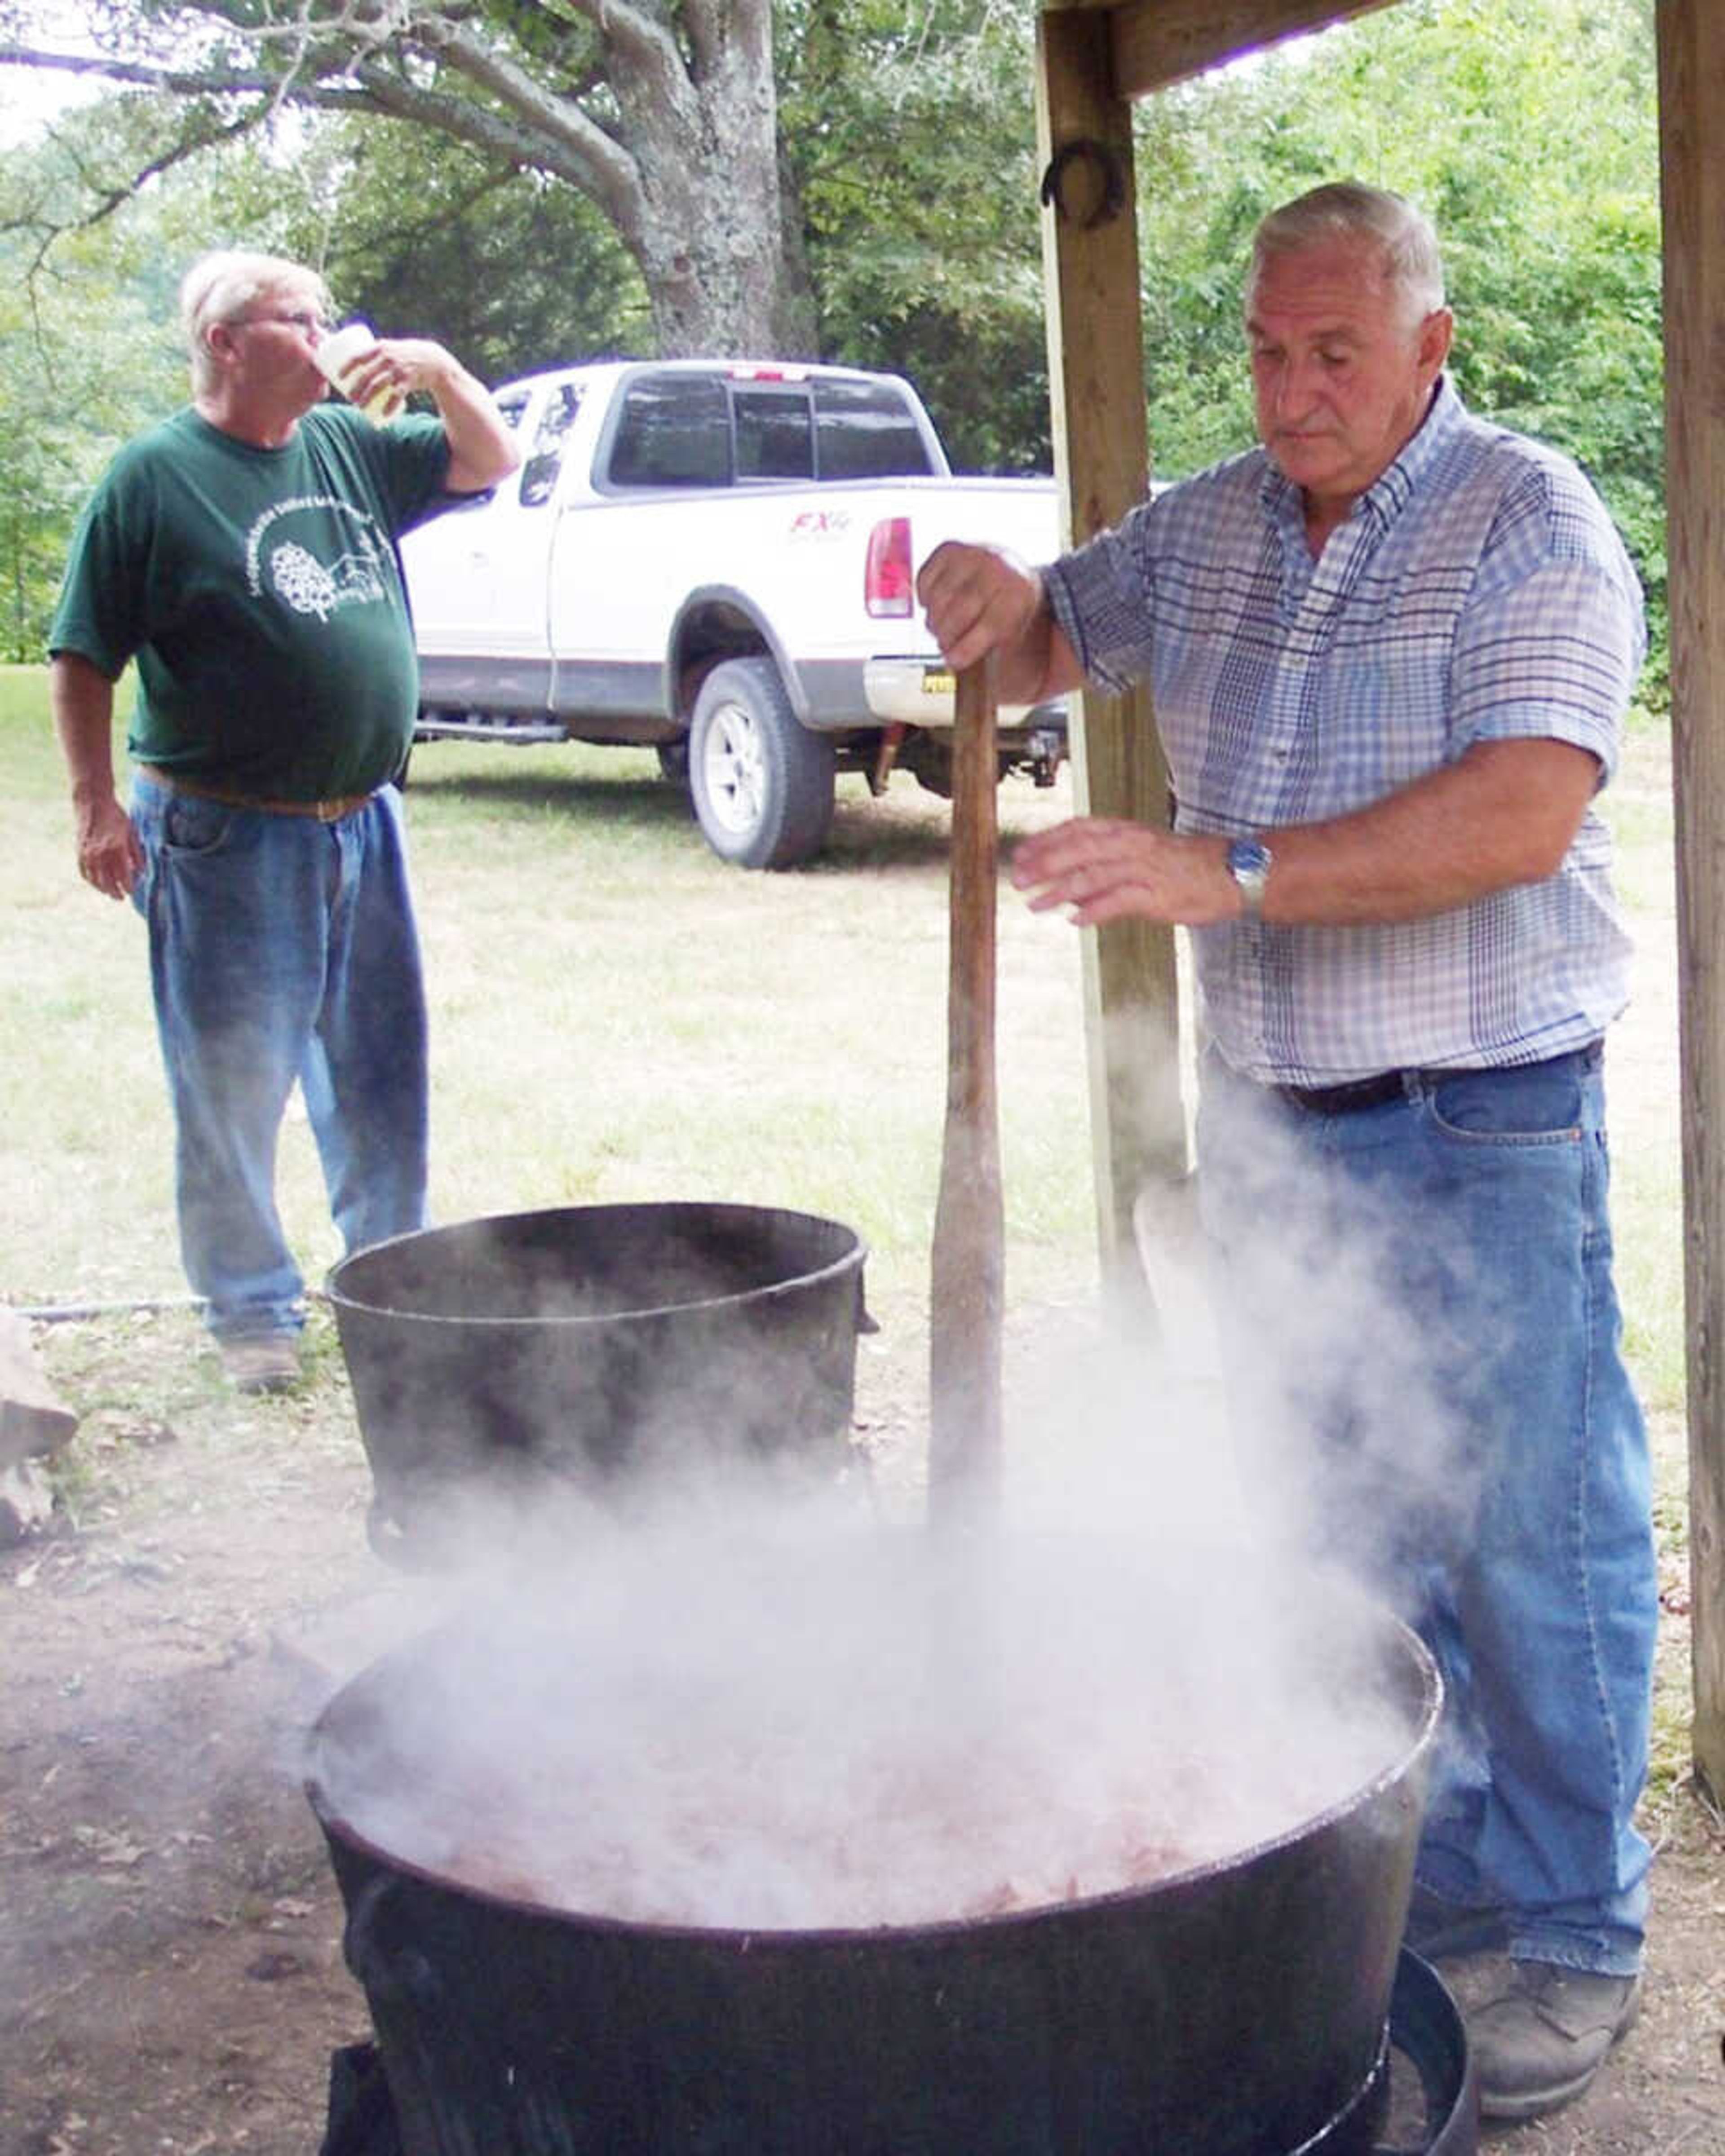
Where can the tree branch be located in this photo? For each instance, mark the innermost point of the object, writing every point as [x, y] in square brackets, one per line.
[513, 87]
[536, 130]
[151, 74]
[624, 26]
[635, 36]
[567, 144]
[113, 197]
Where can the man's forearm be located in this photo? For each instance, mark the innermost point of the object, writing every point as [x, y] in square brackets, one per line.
[82, 700]
[482, 449]
[82, 697]
[1505, 814]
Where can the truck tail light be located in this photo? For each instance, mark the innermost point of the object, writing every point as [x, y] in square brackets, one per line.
[888, 590]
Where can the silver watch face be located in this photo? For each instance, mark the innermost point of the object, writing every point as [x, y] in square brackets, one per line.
[1249, 864]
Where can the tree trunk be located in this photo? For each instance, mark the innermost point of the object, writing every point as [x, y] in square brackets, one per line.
[714, 224]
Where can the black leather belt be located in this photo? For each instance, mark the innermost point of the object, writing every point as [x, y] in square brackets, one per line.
[1383, 1085]
[1343, 1100]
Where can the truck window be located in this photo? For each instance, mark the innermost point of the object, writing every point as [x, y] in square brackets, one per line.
[773, 437]
[675, 431]
[545, 460]
[865, 430]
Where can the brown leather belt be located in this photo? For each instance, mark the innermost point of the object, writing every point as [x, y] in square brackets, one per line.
[326, 811]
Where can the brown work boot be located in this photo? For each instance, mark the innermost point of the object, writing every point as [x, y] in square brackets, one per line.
[1539, 2040]
[261, 1362]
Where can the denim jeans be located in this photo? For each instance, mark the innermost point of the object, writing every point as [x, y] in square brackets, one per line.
[1426, 1337]
[282, 947]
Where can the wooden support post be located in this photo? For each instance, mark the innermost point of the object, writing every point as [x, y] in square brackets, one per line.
[1101, 459]
[1691, 85]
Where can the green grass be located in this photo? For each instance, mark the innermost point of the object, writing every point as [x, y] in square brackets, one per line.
[616, 1016]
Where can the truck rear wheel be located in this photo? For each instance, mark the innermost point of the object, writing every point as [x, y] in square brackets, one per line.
[762, 783]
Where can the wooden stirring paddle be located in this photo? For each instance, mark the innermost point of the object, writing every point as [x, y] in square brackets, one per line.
[968, 1268]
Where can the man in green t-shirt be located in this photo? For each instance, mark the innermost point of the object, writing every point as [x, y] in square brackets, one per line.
[242, 553]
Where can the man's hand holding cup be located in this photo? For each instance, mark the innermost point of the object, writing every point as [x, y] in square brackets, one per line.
[364, 370]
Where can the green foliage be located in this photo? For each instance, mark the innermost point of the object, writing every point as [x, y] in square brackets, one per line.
[912, 136]
[86, 355]
[513, 271]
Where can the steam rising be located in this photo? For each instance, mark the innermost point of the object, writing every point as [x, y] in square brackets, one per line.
[805, 1721]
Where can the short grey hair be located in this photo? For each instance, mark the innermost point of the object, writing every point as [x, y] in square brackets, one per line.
[1346, 209]
[221, 285]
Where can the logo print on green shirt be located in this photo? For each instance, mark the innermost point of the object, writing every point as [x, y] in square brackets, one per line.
[356, 577]
[302, 580]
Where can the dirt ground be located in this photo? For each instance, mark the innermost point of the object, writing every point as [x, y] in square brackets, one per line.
[170, 1969]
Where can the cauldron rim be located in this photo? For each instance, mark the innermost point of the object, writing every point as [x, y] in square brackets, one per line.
[756, 1938]
[341, 1295]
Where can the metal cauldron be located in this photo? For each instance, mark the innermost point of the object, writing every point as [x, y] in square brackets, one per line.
[1237, 2008]
[497, 1359]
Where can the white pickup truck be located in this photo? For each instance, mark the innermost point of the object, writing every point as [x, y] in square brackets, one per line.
[717, 559]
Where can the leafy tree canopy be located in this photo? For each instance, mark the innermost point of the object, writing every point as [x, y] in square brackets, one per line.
[913, 137]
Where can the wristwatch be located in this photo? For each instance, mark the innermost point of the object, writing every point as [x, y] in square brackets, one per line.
[1249, 861]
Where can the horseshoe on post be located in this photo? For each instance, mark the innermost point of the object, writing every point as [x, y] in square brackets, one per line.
[1110, 183]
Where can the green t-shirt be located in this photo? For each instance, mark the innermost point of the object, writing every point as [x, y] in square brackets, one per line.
[261, 595]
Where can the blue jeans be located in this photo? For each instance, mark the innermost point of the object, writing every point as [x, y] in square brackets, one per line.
[1421, 1293]
[282, 947]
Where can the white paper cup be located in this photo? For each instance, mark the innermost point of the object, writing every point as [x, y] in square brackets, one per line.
[335, 351]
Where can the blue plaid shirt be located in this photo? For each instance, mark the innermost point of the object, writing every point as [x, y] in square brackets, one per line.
[1478, 592]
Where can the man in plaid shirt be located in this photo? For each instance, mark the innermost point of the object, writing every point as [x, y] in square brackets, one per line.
[1390, 651]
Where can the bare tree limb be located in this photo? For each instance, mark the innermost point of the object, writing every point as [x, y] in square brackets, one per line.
[574, 149]
[551, 134]
[510, 84]
[111, 196]
[632, 34]
[149, 75]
